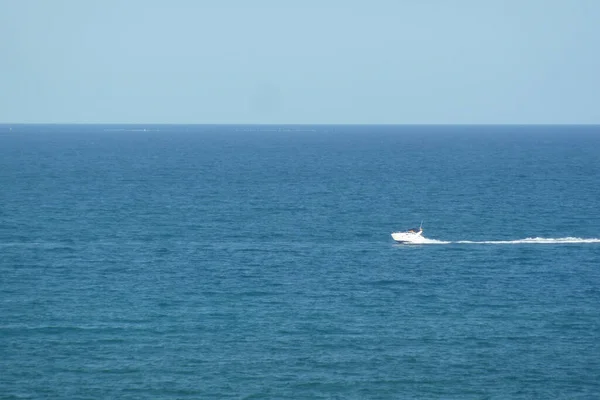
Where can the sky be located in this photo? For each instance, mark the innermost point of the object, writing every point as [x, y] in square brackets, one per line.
[300, 62]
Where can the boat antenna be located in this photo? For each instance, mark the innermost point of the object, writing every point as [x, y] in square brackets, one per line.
[421, 227]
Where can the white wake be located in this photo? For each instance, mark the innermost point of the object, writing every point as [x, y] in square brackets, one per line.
[536, 240]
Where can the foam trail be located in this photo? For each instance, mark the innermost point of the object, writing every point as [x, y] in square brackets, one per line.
[431, 241]
[536, 240]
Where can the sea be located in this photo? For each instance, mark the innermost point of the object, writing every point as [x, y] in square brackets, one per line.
[256, 262]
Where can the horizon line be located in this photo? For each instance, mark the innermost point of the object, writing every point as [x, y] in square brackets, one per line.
[296, 124]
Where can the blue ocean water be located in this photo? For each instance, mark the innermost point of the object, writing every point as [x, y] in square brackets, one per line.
[186, 262]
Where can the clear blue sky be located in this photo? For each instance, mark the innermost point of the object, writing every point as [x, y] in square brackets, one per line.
[327, 61]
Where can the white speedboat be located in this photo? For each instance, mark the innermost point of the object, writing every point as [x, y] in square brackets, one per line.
[412, 236]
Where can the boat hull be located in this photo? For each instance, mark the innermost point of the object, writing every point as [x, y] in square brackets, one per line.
[407, 237]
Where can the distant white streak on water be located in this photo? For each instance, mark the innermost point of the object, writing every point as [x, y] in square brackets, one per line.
[536, 240]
